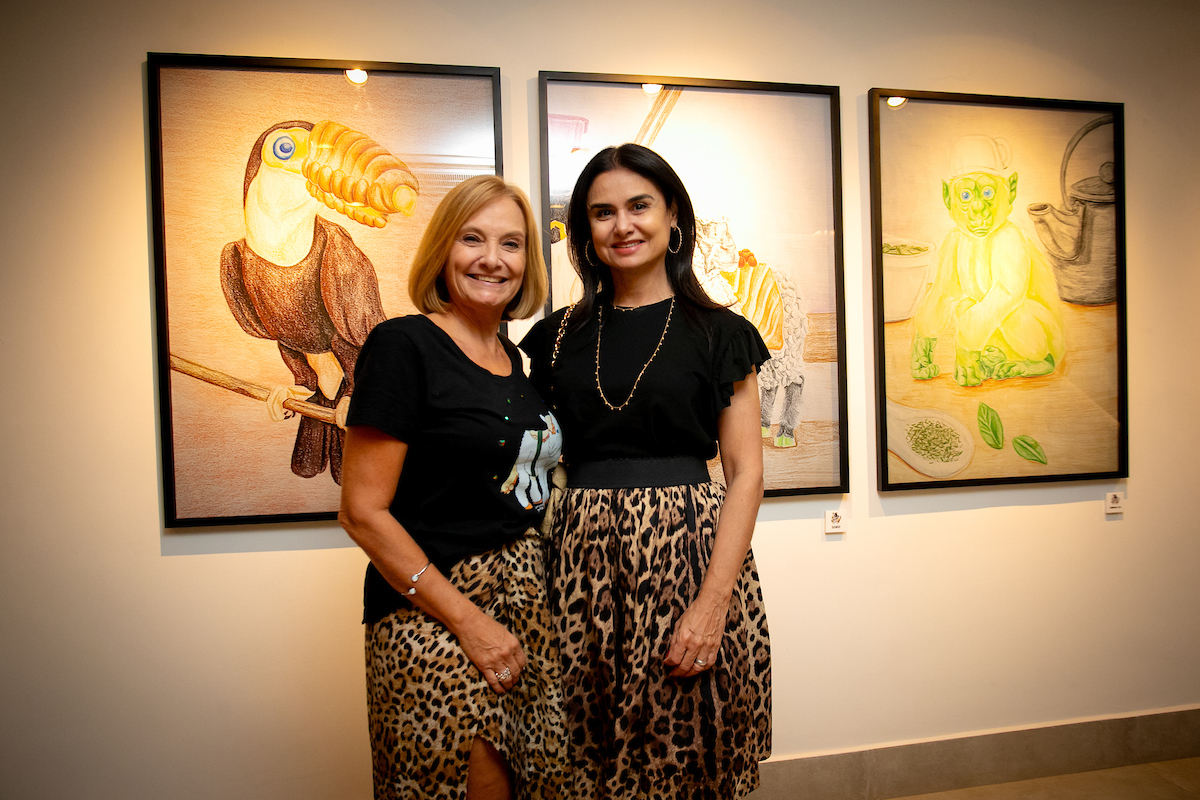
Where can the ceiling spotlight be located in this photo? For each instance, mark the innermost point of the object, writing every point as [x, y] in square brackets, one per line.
[896, 102]
[651, 88]
[356, 76]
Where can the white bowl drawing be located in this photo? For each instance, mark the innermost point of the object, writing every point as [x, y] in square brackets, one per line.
[905, 276]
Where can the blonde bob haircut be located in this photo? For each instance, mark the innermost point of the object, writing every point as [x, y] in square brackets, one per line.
[426, 284]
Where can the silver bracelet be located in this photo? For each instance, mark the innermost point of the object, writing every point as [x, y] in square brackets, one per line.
[416, 576]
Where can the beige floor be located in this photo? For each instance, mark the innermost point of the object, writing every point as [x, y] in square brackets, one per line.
[1164, 780]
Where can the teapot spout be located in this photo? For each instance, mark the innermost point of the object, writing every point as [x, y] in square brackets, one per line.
[1059, 230]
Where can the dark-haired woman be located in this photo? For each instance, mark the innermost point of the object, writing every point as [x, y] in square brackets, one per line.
[666, 662]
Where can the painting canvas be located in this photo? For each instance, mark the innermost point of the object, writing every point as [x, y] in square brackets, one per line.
[999, 278]
[288, 203]
[761, 162]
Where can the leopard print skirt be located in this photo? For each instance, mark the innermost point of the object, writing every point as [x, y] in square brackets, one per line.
[427, 702]
[626, 564]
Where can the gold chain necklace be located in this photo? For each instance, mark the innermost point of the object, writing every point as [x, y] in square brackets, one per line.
[600, 329]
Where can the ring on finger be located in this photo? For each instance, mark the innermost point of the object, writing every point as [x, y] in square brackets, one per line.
[504, 674]
[700, 663]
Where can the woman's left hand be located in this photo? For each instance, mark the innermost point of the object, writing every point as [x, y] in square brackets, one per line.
[696, 639]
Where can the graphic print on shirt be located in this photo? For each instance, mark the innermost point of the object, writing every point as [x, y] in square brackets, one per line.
[529, 479]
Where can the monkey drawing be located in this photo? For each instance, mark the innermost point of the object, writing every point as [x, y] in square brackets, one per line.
[991, 281]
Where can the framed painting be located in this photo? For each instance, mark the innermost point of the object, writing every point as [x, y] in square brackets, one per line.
[762, 163]
[289, 197]
[999, 285]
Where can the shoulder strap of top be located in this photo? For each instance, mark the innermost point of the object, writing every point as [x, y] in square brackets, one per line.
[562, 329]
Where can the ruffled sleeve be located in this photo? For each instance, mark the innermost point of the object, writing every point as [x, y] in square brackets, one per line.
[737, 349]
[534, 343]
[537, 344]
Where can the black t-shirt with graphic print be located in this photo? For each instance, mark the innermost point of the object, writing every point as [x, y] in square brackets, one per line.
[480, 446]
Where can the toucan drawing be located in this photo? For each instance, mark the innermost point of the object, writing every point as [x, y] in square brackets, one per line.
[299, 279]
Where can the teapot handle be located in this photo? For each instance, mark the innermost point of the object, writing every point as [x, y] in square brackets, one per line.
[1107, 119]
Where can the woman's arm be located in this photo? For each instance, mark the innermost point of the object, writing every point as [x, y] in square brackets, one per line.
[698, 632]
[371, 466]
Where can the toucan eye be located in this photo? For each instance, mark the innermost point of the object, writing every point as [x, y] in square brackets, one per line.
[284, 148]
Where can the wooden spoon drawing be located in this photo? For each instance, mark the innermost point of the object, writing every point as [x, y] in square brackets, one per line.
[930, 441]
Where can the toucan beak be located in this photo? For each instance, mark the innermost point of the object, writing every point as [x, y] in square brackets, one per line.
[356, 176]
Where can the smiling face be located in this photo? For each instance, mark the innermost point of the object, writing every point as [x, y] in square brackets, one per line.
[630, 222]
[486, 265]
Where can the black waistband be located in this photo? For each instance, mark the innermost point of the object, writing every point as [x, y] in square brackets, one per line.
[632, 473]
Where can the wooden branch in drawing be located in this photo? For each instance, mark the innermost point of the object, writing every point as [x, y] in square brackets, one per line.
[247, 389]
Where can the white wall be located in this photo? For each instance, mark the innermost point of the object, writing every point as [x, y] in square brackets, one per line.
[140, 663]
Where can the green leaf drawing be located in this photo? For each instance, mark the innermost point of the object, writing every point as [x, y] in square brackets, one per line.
[991, 428]
[1028, 449]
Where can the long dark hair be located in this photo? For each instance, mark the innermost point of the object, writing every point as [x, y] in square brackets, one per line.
[595, 274]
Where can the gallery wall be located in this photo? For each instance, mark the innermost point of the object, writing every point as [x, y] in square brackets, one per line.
[137, 662]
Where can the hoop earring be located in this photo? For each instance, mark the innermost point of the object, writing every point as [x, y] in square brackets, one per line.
[588, 255]
[679, 246]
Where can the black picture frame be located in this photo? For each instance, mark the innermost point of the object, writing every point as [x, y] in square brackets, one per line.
[231, 326]
[762, 162]
[999, 318]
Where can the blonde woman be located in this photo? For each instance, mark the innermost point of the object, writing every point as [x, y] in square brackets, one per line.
[447, 455]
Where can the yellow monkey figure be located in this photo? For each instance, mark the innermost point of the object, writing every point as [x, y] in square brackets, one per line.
[991, 280]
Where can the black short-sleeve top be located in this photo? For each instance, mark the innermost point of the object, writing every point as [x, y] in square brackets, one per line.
[480, 446]
[679, 397]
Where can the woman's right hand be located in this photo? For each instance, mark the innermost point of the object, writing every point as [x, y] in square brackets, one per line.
[371, 467]
[494, 651]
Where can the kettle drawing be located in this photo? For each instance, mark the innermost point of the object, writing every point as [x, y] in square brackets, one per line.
[1081, 237]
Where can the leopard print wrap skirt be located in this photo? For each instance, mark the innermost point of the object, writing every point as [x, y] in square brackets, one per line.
[626, 564]
[427, 702]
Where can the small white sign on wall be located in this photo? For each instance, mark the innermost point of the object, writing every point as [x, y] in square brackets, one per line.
[835, 522]
[1114, 503]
